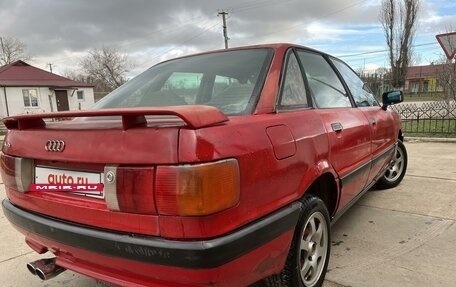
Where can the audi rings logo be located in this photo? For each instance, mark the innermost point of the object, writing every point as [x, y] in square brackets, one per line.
[54, 145]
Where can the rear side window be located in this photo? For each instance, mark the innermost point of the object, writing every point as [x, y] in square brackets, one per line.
[360, 91]
[293, 90]
[326, 87]
[228, 80]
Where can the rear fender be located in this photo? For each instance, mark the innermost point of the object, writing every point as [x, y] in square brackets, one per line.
[321, 173]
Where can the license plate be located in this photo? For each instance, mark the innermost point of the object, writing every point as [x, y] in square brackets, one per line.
[44, 175]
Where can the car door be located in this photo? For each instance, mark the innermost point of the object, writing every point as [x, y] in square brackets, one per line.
[380, 121]
[346, 126]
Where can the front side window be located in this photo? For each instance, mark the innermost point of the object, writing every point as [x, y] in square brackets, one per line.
[327, 89]
[360, 91]
[228, 80]
[30, 97]
[293, 91]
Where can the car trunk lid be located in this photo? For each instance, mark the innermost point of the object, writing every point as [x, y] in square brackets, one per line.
[82, 151]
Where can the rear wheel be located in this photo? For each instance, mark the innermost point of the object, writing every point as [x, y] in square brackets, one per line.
[396, 170]
[308, 257]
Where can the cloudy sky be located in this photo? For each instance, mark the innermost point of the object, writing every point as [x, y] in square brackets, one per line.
[149, 31]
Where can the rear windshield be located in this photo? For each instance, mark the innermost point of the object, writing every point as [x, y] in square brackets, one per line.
[228, 80]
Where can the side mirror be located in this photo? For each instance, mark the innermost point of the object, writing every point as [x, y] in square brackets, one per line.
[392, 97]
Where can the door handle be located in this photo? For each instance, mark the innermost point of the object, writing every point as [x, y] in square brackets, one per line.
[336, 127]
[373, 121]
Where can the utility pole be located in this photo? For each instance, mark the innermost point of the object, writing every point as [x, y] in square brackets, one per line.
[50, 67]
[225, 33]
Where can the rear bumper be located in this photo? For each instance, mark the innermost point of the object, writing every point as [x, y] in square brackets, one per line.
[194, 255]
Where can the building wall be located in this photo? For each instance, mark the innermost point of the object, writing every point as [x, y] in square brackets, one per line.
[46, 100]
[426, 85]
[434, 86]
[73, 102]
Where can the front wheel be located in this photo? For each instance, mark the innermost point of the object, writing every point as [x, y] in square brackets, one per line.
[396, 170]
[308, 257]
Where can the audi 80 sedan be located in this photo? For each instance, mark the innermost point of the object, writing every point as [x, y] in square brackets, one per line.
[224, 168]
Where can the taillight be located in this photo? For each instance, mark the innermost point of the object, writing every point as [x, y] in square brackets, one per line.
[17, 173]
[130, 189]
[196, 190]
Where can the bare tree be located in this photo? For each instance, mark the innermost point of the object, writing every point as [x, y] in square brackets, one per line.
[445, 70]
[11, 50]
[107, 67]
[446, 76]
[77, 76]
[398, 19]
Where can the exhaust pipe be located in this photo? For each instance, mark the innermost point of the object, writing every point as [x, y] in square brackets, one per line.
[45, 268]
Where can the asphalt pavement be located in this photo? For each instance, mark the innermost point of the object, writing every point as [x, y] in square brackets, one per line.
[403, 237]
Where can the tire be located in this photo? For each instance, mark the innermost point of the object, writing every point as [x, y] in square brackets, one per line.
[396, 170]
[308, 257]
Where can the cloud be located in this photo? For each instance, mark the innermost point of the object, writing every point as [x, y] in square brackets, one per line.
[61, 31]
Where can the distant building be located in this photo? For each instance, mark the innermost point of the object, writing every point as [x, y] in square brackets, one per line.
[25, 89]
[423, 79]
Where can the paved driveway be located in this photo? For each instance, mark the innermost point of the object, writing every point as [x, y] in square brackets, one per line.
[400, 237]
[404, 236]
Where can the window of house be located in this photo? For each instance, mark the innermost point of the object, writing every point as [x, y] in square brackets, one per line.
[30, 97]
[294, 91]
[80, 95]
[326, 87]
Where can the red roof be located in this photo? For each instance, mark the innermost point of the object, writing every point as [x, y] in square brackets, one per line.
[419, 72]
[21, 74]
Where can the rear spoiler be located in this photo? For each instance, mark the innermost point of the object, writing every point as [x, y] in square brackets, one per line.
[195, 116]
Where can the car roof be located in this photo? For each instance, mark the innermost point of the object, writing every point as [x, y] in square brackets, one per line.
[274, 46]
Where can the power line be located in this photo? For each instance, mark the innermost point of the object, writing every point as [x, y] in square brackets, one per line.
[259, 4]
[183, 42]
[164, 30]
[381, 51]
[247, 6]
[203, 27]
[298, 25]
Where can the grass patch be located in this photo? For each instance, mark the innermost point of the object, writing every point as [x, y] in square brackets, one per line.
[424, 97]
[443, 128]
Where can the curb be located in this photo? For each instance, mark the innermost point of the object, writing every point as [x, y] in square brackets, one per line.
[434, 140]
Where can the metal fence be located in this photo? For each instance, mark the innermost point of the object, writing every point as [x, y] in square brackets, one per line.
[428, 118]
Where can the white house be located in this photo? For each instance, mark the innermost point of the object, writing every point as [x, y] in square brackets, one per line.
[25, 89]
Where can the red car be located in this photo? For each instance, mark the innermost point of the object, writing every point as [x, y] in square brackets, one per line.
[218, 169]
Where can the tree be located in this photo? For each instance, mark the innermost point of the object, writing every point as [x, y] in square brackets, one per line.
[446, 77]
[398, 19]
[446, 71]
[107, 67]
[11, 50]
